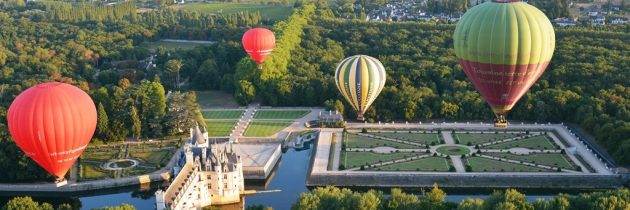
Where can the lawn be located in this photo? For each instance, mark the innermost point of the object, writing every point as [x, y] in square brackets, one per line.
[100, 156]
[413, 137]
[553, 159]
[424, 164]
[453, 150]
[536, 142]
[479, 138]
[229, 114]
[480, 164]
[356, 141]
[265, 128]
[91, 171]
[272, 12]
[214, 99]
[156, 159]
[217, 128]
[356, 159]
[269, 114]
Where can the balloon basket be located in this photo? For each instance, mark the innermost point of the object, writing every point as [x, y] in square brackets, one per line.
[59, 183]
[501, 125]
[259, 66]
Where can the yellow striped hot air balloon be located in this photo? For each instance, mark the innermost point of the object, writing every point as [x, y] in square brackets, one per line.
[360, 79]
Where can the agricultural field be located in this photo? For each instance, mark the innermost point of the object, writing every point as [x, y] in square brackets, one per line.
[270, 12]
[265, 128]
[439, 164]
[280, 114]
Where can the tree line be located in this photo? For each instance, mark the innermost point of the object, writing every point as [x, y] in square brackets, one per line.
[336, 198]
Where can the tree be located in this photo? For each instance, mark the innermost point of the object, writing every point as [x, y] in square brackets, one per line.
[153, 108]
[245, 92]
[369, 200]
[400, 200]
[339, 107]
[436, 195]
[124, 206]
[172, 68]
[136, 125]
[102, 124]
[21, 203]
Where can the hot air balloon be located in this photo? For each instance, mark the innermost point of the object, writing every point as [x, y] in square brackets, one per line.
[504, 46]
[52, 123]
[258, 43]
[360, 79]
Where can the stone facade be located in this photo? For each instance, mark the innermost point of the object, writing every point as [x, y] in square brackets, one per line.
[205, 174]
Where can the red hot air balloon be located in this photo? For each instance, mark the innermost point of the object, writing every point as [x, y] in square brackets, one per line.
[52, 123]
[258, 43]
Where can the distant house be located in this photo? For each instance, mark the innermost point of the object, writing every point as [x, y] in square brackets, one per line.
[619, 21]
[599, 20]
[563, 22]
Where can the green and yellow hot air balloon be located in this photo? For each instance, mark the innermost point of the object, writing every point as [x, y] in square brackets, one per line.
[504, 46]
[360, 79]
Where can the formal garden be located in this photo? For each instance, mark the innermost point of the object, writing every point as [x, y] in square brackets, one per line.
[455, 151]
[115, 161]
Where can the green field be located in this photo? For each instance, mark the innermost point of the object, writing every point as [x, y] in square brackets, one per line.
[269, 114]
[479, 164]
[271, 12]
[356, 141]
[220, 127]
[265, 128]
[554, 159]
[413, 137]
[156, 159]
[479, 138]
[453, 150]
[535, 142]
[92, 171]
[214, 99]
[230, 114]
[424, 164]
[356, 159]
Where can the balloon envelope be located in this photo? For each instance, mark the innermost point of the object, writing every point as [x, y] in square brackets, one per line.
[258, 43]
[504, 46]
[360, 79]
[52, 123]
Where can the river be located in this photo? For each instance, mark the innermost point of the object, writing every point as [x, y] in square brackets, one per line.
[289, 177]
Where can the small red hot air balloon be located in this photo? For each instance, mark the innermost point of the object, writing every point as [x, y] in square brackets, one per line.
[52, 123]
[258, 43]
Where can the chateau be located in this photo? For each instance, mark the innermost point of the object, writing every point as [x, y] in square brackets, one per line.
[204, 175]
